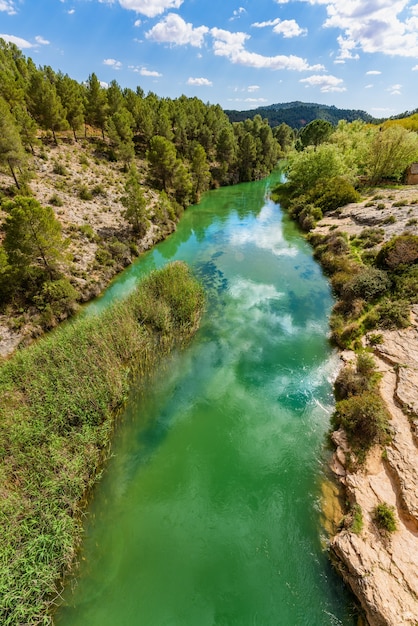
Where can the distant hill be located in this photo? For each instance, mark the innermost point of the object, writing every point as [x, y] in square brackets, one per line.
[298, 114]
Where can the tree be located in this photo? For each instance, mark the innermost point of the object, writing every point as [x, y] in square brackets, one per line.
[97, 107]
[45, 104]
[285, 136]
[391, 151]
[200, 171]
[247, 156]
[119, 129]
[162, 158]
[315, 133]
[12, 153]
[33, 239]
[307, 168]
[70, 92]
[135, 203]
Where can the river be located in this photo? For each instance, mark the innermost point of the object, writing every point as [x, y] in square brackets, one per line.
[208, 511]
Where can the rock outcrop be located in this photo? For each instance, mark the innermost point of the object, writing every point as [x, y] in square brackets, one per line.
[382, 568]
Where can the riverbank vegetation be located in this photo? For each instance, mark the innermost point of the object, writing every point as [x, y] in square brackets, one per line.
[373, 271]
[59, 402]
[112, 169]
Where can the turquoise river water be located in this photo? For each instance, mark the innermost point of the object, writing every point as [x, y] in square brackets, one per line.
[208, 511]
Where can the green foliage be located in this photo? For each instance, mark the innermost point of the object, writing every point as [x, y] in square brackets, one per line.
[389, 314]
[393, 148]
[59, 400]
[313, 167]
[370, 283]
[364, 418]
[384, 517]
[55, 200]
[135, 203]
[399, 251]
[357, 521]
[33, 239]
[84, 193]
[11, 149]
[355, 381]
[333, 193]
[316, 132]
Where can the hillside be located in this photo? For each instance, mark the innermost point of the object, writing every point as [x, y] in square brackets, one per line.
[298, 114]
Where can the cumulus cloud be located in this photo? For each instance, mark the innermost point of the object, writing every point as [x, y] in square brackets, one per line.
[41, 41]
[173, 29]
[326, 83]
[232, 46]
[8, 6]
[144, 72]
[113, 63]
[287, 28]
[150, 8]
[137, 23]
[237, 13]
[18, 41]
[383, 26]
[199, 82]
[373, 73]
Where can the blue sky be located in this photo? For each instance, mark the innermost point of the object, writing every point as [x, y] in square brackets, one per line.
[360, 54]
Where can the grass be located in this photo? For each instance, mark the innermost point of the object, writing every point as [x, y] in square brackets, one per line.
[59, 402]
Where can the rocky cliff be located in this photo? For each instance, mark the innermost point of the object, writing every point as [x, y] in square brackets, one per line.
[380, 567]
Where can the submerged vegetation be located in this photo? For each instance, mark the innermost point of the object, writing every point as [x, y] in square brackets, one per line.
[59, 402]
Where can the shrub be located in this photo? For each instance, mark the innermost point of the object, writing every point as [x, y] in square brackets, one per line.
[60, 169]
[364, 418]
[392, 314]
[370, 237]
[384, 516]
[406, 284]
[356, 519]
[333, 193]
[370, 284]
[84, 193]
[55, 200]
[400, 250]
[391, 219]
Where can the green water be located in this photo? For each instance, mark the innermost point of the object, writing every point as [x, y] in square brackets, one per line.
[208, 511]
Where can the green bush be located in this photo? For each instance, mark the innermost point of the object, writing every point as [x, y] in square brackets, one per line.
[364, 417]
[390, 314]
[332, 194]
[60, 169]
[400, 250]
[406, 284]
[384, 516]
[84, 193]
[55, 200]
[369, 284]
[357, 521]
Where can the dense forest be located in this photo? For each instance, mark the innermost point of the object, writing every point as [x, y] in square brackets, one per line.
[298, 114]
[161, 153]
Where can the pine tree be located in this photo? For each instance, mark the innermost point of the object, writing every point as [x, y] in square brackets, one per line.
[97, 107]
[135, 203]
[12, 153]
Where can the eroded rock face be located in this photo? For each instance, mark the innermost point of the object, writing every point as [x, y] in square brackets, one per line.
[382, 568]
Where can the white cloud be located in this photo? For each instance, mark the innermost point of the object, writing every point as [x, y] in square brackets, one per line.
[415, 68]
[237, 13]
[18, 41]
[252, 88]
[368, 86]
[150, 8]
[199, 82]
[8, 6]
[113, 63]
[71, 12]
[173, 29]
[41, 41]
[326, 83]
[232, 46]
[137, 23]
[287, 28]
[373, 73]
[373, 26]
[395, 90]
[144, 72]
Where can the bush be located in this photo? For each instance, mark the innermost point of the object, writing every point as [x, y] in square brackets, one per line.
[84, 193]
[59, 169]
[406, 284]
[333, 193]
[390, 314]
[364, 418]
[370, 284]
[400, 250]
[370, 237]
[55, 200]
[384, 516]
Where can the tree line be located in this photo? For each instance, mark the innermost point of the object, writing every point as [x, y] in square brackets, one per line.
[177, 147]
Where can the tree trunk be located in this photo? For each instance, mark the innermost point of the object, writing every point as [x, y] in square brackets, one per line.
[13, 174]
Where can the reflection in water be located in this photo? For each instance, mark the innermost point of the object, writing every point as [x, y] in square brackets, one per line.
[207, 514]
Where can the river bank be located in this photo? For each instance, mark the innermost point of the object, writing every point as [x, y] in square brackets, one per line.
[60, 398]
[379, 566]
